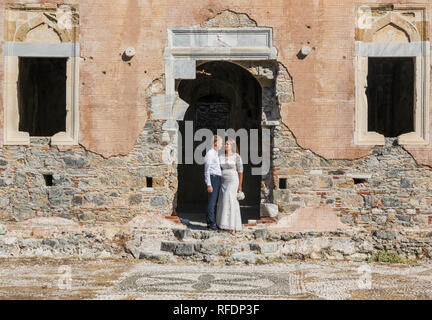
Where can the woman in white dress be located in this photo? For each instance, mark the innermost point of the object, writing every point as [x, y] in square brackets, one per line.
[228, 215]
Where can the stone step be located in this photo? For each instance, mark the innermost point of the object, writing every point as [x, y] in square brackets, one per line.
[261, 246]
[168, 244]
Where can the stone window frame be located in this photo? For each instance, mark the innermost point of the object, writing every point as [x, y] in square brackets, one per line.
[416, 49]
[12, 51]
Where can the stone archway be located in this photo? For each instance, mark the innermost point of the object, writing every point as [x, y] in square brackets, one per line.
[224, 96]
[249, 48]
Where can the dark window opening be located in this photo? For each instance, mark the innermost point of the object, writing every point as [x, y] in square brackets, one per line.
[149, 182]
[282, 183]
[390, 95]
[48, 180]
[359, 180]
[42, 96]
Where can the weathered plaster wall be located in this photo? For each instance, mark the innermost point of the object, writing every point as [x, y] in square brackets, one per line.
[113, 108]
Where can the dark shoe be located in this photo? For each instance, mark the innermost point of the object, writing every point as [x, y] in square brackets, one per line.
[214, 228]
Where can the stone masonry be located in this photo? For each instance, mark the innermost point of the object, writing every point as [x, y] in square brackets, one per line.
[386, 189]
[116, 173]
[86, 186]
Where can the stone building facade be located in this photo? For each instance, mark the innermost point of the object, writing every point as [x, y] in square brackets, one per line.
[131, 71]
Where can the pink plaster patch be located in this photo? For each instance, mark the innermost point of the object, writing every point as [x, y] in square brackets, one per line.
[310, 219]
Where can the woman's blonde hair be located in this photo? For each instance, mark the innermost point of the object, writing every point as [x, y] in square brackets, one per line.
[234, 148]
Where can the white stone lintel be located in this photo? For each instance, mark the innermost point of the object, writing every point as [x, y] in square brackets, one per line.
[273, 123]
[48, 50]
[224, 53]
[220, 37]
[359, 175]
[316, 172]
[410, 49]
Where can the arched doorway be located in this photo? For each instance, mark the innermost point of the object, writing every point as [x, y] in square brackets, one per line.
[223, 96]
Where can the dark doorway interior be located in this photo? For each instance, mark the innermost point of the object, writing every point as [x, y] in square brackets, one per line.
[42, 96]
[224, 96]
[390, 95]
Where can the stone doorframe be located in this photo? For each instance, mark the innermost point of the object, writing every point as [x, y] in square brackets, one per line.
[188, 46]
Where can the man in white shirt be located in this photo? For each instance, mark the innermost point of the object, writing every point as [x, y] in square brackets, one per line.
[213, 180]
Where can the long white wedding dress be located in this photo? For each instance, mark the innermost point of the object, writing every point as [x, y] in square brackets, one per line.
[228, 215]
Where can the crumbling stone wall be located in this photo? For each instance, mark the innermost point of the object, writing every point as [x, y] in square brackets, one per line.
[386, 189]
[86, 186]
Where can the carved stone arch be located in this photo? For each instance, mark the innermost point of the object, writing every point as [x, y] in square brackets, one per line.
[193, 90]
[240, 63]
[397, 20]
[23, 31]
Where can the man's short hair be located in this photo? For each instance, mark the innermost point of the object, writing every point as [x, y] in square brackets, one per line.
[216, 138]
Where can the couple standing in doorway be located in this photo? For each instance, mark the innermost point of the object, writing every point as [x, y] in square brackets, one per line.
[223, 173]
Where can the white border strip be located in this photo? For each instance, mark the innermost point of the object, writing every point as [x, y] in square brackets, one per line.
[23, 49]
[412, 49]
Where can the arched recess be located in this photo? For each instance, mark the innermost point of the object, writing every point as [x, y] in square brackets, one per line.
[397, 20]
[223, 96]
[36, 22]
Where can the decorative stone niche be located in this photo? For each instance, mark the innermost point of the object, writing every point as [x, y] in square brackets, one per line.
[396, 31]
[41, 31]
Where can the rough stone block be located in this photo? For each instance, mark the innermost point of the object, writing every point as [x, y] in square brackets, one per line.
[403, 218]
[3, 230]
[210, 248]
[384, 235]
[381, 219]
[366, 247]
[168, 246]
[246, 257]
[343, 246]
[49, 242]
[359, 257]
[86, 216]
[209, 259]
[260, 234]
[77, 200]
[150, 255]
[182, 234]
[135, 199]
[158, 201]
[184, 249]
[132, 247]
[268, 247]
